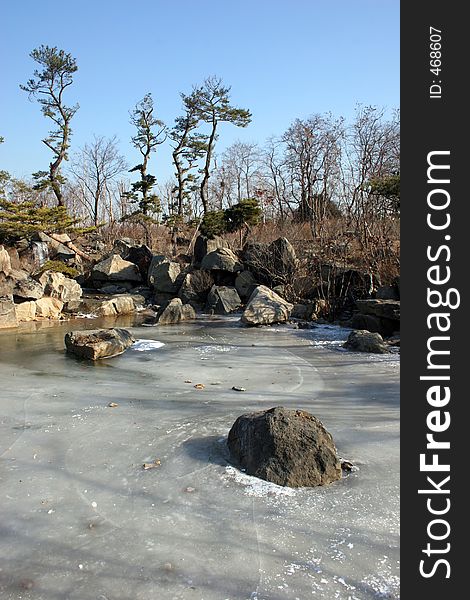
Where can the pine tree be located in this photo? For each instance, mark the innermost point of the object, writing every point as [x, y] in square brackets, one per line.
[214, 107]
[25, 219]
[48, 85]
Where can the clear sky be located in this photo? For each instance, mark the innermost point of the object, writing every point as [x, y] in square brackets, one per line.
[284, 59]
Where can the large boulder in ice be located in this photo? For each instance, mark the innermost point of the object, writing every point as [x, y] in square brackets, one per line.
[365, 341]
[98, 343]
[287, 447]
[265, 307]
[174, 312]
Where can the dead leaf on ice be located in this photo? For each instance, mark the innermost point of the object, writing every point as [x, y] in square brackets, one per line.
[152, 465]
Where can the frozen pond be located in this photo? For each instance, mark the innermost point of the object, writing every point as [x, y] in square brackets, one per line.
[82, 520]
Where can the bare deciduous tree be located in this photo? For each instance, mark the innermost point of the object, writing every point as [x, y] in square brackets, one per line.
[95, 168]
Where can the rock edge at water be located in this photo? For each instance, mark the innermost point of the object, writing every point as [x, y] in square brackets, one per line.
[95, 344]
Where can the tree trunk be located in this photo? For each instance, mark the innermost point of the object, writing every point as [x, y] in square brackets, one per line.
[207, 164]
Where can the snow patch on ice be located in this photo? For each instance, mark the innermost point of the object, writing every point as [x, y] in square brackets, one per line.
[256, 487]
[146, 345]
[211, 349]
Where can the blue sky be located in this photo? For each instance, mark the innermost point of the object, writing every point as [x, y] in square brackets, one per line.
[283, 58]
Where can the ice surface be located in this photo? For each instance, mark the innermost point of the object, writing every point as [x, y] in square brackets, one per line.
[82, 520]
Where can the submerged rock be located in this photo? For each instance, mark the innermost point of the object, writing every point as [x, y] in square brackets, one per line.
[98, 343]
[265, 307]
[287, 447]
[366, 341]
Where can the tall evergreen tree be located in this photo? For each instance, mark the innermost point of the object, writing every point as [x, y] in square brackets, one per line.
[214, 107]
[48, 84]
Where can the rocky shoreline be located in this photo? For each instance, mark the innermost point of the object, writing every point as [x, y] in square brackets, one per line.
[214, 280]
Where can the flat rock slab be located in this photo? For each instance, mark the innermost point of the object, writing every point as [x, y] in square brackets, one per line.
[287, 447]
[98, 343]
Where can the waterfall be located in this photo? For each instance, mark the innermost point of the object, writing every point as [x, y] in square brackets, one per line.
[40, 252]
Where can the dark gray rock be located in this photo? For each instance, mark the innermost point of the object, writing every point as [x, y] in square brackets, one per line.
[271, 264]
[98, 343]
[366, 341]
[384, 309]
[245, 284]
[114, 289]
[385, 312]
[123, 246]
[387, 292]
[366, 322]
[287, 447]
[195, 288]
[223, 300]
[283, 256]
[141, 256]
